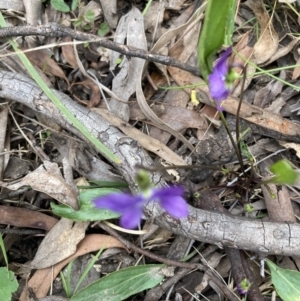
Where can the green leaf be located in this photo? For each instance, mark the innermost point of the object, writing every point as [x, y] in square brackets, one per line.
[286, 282]
[74, 4]
[89, 15]
[86, 27]
[284, 173]
[78, 22]
[8, 284]
[122, 284]
[109, 184]
[87, 211]
[230, 24]
[213, 33]
[60, 5]
[103, 29]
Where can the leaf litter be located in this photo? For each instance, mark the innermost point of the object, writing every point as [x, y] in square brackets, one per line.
[163, 122]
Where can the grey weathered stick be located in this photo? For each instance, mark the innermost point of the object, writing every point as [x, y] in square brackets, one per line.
[56, 30]
[212, 227]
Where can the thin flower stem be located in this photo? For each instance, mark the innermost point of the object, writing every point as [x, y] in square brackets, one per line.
[237, 124]
[237, 151]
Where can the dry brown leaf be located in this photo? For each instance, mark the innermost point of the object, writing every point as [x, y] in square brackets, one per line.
[48, 179]
[268, 41]
[42, 60]
[21, 217]
[180, 118]
[41, 281]
[267, 94]
[155, 11]
[59, 243]
[68, 52]
[282, 51]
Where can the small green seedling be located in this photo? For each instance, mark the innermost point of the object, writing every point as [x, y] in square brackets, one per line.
[284, 173]
[103, 29]
[8, 283]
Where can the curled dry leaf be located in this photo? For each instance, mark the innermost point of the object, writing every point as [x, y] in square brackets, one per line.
[131, 29]
[41, 281]
[48, 179]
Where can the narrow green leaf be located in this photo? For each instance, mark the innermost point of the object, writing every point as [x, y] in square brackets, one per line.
[2, 247]
[230, 24]
[56, 101]
[8, 284]
[284, 173]
[60, 5]
[87, 211]
[122, 284]
[213, 33]
[286, 282]
[74, 4]
[87, 269]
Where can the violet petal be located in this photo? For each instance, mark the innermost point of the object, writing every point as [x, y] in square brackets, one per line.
[119, 202]
[217, 88]
[217, 79]
[167, 192]
[175, 206]
[131, 218]
[171, 200]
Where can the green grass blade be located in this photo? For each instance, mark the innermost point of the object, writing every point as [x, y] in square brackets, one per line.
[87, 269]
[2, 246]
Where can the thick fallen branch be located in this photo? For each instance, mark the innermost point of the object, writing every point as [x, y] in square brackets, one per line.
[212, 227]
[58, 31]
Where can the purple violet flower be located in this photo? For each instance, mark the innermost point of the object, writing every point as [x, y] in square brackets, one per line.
[218, 86]
[131, 206]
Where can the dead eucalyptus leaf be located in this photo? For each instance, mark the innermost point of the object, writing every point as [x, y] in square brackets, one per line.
[59, 243]
[68, 52]
[268, 41]
[41, 281]
[42, 60]
[22, 217]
